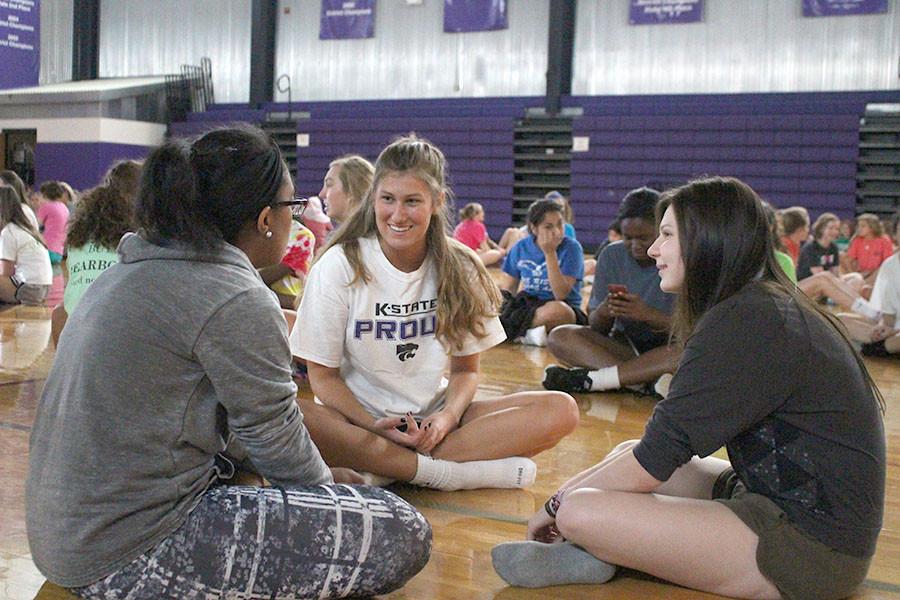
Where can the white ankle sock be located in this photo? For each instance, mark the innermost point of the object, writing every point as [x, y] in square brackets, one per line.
[606, 378]
[514, 472]
[863, 307]
[536, 336]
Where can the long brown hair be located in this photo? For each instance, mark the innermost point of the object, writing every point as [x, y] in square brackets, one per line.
[11, 212]
[460, 313]
[726, 243]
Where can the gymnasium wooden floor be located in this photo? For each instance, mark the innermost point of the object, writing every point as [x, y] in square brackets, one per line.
[466, 524]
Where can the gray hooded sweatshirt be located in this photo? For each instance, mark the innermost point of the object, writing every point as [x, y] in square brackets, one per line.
[167, 352]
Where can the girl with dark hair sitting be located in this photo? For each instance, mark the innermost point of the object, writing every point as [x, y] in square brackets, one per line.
[549, 268]
[178, 348]
[626, 340]
[25, 271]
[797, 511]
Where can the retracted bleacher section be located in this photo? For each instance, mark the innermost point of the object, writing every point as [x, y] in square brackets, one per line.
[476, 136]
[793, 149]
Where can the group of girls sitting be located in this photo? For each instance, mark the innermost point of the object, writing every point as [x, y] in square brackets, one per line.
[25, 270]
[179, 351]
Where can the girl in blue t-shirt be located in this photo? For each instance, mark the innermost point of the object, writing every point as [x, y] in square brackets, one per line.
[549, 268]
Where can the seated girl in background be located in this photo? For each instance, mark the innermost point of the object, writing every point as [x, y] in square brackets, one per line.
[794, 230]
[25, 271]
[287, 277]
[391, 305]
[177, 348]
[102, 216]
[472, 232]
[881, 338]
[549, 267]
[868, 248]
[797, 511]
[819, 267]
[783, 259]
[345, 185]
[53, 215]
[12, 179]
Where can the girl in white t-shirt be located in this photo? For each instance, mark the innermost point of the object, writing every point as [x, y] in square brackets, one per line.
[25, 271]
[391, 306]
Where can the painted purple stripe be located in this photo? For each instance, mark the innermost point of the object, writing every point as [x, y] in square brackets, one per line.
[82, 165]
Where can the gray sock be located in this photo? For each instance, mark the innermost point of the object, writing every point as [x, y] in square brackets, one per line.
[535, 564]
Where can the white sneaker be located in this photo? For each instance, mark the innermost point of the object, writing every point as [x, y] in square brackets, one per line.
[536, 336]
[661, 386]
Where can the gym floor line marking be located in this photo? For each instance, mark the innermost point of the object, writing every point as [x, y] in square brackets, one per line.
[16, 426]
[469, 512]
[881, 586]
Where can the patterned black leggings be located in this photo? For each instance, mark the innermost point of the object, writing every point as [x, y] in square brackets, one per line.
[327, 541]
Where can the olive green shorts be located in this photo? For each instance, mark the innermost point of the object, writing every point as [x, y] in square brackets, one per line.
[797, 564]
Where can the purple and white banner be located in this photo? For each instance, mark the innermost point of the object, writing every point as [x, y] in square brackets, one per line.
[20, 43]
[838, 8]
[461, 16]
[653, 12]
[347, 19]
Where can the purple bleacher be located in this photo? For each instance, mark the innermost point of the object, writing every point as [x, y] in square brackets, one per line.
[475, 134]
[793, 149]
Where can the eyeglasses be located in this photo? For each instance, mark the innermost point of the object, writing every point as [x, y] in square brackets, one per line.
[298, 205]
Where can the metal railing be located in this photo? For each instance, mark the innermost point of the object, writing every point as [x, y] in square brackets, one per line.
[190, 91]
[288, 90]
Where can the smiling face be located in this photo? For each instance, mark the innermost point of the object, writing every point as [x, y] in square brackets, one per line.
[831, 232]
[666, 251]
[403, 210]
[333, 195]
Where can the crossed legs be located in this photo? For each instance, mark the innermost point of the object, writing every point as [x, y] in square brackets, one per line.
[676, 533]
[521, 424]
[584, 347]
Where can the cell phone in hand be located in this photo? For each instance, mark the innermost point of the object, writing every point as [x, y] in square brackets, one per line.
[617, 288]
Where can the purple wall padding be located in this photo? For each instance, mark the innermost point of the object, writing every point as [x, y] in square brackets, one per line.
[793, 149]
[476, 136]
[81, 165]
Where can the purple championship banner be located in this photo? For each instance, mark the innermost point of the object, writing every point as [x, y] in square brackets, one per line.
[661, 12]
[20, 43]
[347, 19]
[462, 16]
[839, 8]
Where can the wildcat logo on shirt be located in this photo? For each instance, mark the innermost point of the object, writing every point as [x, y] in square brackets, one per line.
[399, 322]
[405, 351]
[534, 276]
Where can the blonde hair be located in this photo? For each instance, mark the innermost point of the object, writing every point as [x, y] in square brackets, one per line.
[873, 222]
[794, 218]
[459, 314]
[356, 177]
[469, 211]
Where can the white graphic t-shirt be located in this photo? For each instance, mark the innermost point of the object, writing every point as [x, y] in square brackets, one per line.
[382, 333]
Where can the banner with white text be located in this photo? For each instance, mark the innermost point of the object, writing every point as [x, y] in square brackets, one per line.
[661, 12]
[462, 16]
[20, 43]
[347, 19]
